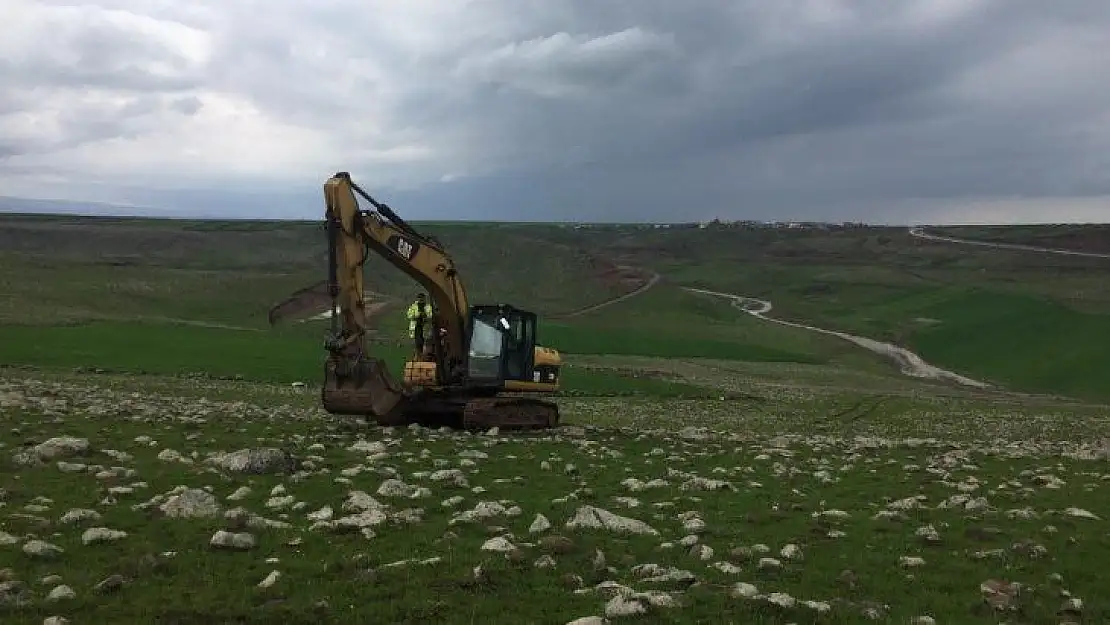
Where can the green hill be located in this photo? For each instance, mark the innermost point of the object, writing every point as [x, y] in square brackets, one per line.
[75, 289]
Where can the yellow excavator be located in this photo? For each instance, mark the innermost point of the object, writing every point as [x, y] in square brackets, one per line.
[483, 367]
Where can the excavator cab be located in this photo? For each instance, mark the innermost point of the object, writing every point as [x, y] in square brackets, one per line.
[501, 354]
[502, 345]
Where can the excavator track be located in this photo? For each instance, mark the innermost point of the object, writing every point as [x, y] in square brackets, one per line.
[510, 413]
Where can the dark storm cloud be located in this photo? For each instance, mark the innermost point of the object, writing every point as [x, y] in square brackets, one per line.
[633, 109]
[718, 119]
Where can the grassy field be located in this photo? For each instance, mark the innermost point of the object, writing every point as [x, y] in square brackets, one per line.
[806, 508]
[1078, 237]
[720, 468]
[1026, 321]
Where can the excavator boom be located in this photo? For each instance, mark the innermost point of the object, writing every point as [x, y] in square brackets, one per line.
[357, 383]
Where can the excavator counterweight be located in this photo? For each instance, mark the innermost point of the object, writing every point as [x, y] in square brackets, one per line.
[483, 367]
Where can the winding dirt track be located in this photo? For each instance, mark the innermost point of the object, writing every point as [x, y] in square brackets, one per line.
[910, 363]
[652, 281]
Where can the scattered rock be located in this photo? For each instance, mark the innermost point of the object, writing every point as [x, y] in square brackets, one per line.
[61, 593]
[191, 503]
[41, 549]
[589, 517]
[539, 525]
[232, 541]
[110, 584]
[95, 535]
[264, 461]
[270, 580]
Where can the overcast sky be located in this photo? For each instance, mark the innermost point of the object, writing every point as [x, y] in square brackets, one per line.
[875, 110]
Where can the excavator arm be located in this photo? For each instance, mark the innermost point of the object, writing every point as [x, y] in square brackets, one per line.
[353, 380]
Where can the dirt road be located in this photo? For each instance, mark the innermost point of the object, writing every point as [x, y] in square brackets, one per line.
[919, 232]
[910, 363]
[652, 281]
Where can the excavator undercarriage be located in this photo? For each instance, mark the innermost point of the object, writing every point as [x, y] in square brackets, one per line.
[484, 368]
[369, 390]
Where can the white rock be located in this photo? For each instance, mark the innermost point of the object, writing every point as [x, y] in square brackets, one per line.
[769, 563]
[1080, 513]
[498, 544]
[41, 549]
[191, 503]
[544, 562]
[61, 447]
[455, 477]
[727, 567]
[171, 455]
[270, 579]
[368, 447]
[781, 599]
[589, 517]
[102, 535]
[397, 488]
[278, 503]
[702, 552]
[358, 501]
[818, 606]
[235, 541]
[483, 510]
[255, 461]
[323, 514]
[621, 606]
[61, 593]
[540, 524]
[744, 590]
[240, 494]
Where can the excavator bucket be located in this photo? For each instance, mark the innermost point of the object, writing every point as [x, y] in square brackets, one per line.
[365, 389]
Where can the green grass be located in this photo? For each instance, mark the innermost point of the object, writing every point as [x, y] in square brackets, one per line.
[168, 350]
[876, 282]
[785, 464]
[619, 341]
[288, 356]
[1023, 342]
[172, 316]
[883, 284]
[1082, 237]
[213, 271]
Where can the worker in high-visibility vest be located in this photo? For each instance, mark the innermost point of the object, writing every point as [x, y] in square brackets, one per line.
[419, 315]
